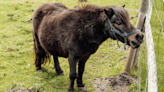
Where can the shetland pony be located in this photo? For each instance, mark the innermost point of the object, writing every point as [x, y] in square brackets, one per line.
[77, 33]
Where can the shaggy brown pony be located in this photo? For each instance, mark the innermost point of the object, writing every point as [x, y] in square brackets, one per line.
[77, 33]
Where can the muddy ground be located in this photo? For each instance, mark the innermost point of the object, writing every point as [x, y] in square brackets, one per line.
[118, 83]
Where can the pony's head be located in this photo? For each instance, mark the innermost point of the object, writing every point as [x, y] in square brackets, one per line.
[121, 28]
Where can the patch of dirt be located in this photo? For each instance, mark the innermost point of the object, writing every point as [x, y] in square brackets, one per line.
[118, 83]
[24, 90]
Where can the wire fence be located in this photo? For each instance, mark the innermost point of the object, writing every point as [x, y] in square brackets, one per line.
[157, 26]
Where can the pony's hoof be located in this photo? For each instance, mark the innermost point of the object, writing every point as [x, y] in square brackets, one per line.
[62, 73]
[82, 89]
[71, 91]
[40, 70]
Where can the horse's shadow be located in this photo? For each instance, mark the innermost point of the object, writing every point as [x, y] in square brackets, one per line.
[48, 74]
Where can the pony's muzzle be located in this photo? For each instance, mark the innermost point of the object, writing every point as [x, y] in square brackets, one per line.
[139, 37]
[136, 40]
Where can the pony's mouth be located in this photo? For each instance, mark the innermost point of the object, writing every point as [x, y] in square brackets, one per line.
[134, 45]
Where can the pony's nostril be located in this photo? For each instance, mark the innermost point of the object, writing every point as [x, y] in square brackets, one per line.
[139, 37]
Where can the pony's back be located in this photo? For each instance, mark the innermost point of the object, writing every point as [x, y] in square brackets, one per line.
[44, 10]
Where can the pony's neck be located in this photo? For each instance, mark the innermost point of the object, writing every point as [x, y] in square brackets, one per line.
[103, 31]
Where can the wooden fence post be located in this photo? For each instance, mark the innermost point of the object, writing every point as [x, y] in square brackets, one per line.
[152, 67]
[133, 53]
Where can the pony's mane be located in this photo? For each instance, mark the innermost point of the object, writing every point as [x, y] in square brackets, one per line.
[91, 7]
[121, 13]
[92, 11]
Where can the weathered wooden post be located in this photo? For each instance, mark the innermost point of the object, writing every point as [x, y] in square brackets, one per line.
[133, 53]
[152, 69]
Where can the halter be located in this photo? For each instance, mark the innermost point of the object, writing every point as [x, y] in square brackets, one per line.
[115, 31]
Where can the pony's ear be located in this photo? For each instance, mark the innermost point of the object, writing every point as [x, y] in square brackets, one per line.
[109, 12]
[123, 6]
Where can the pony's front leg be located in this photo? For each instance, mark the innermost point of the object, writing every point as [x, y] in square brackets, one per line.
[72, 75]
[81, 67]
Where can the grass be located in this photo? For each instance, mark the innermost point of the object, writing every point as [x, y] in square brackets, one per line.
[16, 50]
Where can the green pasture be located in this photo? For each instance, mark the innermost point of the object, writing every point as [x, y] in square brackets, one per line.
[17, 68]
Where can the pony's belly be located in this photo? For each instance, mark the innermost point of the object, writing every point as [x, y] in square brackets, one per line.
[59, 53]
[54, 48]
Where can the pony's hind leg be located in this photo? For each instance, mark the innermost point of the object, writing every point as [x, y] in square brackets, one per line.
[81, 66]
[38, 61]
[57, 66]
[41, 56]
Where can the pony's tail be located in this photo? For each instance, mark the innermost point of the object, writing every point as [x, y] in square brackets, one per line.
[38, 16]
[38, 50]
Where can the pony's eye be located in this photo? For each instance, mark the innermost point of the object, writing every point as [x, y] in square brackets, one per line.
[118, 23]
